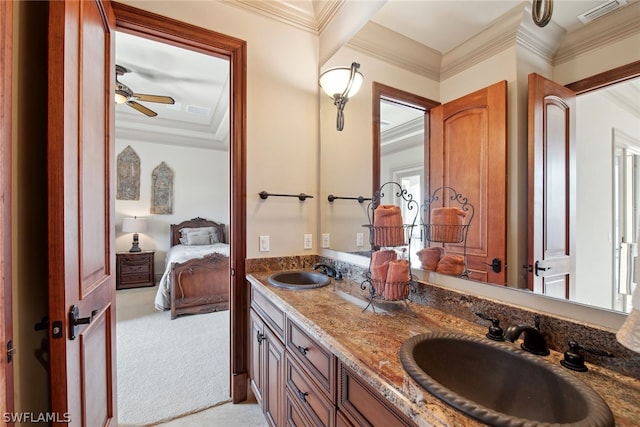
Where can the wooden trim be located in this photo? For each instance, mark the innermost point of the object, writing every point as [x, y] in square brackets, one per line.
[606, 78]
[381, 91]
[6, 333]
[167, 30]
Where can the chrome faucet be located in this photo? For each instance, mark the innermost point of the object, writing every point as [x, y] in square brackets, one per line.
[328, 270]
[533, 341]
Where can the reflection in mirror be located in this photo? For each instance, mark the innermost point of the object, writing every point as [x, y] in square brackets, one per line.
[399, 140]
[576, 59]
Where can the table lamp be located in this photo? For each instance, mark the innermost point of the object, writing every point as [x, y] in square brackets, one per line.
[134, 225]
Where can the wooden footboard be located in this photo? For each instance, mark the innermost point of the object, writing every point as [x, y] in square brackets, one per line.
[200, 285]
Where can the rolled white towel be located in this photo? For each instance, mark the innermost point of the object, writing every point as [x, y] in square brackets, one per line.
[629, 333]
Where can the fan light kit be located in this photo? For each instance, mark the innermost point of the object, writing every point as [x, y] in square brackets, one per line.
[124, 95]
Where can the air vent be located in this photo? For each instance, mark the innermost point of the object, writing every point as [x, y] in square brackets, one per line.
[200, 111]
[601, 10]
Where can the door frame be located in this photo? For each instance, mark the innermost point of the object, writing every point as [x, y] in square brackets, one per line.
[6, 100]
[166, 30]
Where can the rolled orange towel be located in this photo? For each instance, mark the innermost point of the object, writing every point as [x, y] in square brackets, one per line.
[398, 278]
[445, 224]
[380, 257]
[429, 257]
[388, 229]
[379, 277]
[452, 265]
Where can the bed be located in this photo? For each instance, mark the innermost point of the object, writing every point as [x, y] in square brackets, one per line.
[196, 277]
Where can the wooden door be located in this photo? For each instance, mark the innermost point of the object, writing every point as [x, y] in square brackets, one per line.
[80, 211]
[6, 332]
[468, 150]
[551, 187]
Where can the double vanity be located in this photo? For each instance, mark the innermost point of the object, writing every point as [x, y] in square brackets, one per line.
[319, 359]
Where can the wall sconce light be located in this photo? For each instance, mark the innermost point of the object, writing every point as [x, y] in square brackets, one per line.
[134, 225]
[341, 83]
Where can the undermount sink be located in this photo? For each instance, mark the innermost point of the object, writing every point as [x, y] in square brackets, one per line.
[298, 279]
[500, 385]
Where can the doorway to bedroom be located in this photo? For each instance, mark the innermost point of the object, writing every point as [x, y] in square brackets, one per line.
[172, 149]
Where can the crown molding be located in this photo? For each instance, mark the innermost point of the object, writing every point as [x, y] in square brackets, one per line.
[394, 48]
[288, 13]
[611, 28]
[401, 137]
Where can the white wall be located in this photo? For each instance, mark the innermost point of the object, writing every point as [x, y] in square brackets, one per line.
[346, 156]
[282, 118]
[201, 188]
[597, 116]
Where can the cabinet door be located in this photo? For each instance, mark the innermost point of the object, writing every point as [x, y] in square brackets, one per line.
[273, 386]
[256, 338]
[363, 406]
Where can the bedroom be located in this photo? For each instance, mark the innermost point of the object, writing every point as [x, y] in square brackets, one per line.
[191, 139]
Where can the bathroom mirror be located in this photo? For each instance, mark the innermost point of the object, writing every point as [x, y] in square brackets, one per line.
[349, 173]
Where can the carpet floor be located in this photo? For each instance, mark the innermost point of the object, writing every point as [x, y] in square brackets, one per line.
[168, 368]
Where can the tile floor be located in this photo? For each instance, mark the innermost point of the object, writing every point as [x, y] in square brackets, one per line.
[245, 414]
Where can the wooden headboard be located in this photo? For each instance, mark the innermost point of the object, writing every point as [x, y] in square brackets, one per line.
[196, 223]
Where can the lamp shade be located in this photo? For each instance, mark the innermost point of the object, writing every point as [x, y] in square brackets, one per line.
[335, 80]
[629, 333]
[134, 225]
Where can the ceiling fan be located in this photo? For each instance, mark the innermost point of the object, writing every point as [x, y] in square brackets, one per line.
[124, 95]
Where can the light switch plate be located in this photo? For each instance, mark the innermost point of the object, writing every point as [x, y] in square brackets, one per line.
[359, 239]
[325, 240]
[308, 241]
[264, 243]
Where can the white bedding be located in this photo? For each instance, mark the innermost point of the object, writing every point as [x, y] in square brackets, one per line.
[182, 253]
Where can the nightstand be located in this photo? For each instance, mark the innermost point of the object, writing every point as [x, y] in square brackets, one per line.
[134, 269]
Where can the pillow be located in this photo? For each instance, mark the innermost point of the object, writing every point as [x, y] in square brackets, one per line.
[211, 231]
[199, 238]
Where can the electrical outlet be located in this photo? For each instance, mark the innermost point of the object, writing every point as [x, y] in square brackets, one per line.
[308, 241]
[325, 240]
[264, 243]
[359, 239]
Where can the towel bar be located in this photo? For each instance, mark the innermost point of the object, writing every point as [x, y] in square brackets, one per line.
[360, 199]
[301, 196]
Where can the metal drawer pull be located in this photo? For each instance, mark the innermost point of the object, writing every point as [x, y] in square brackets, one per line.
[302, 349]
[303, 395]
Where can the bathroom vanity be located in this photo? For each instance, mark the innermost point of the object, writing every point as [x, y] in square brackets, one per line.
[319, 359]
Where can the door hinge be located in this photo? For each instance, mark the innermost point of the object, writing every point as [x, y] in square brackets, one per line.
[11, 350]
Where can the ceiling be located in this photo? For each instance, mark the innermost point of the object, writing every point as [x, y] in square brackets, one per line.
[199, 83]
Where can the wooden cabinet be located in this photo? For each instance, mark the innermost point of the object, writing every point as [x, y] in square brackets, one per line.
[267, 357]
[298, 382]
[134, 269]
[361, 405]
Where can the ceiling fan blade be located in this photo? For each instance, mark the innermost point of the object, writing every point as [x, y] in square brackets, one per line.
[142, 108]
[154, 98]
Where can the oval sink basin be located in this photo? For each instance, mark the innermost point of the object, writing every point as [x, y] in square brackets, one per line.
[298, 279]
[500, 385]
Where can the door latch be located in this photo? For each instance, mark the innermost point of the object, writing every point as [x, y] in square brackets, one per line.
[538, 268]
[75, 321]
[496, 265]
[11, 350]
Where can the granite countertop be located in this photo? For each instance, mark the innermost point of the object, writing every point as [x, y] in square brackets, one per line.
[369, 342]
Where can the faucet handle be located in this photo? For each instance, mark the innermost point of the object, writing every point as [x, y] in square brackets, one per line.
[495, 330]
[575, 361]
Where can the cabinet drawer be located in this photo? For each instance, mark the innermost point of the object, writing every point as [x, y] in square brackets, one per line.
[318, 360]
[294, 415]
[363, 406]
[134, 268]
[309, 397]
[135, 278]
[271, 314]
[137, 260]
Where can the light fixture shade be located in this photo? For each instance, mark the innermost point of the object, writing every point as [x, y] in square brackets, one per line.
[134, 225]
[335, 80]
[121, 97]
